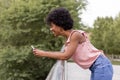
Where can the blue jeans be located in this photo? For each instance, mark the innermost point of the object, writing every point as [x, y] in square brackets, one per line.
[101, 69]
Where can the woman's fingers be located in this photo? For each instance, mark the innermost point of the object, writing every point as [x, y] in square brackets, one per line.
[37, 52]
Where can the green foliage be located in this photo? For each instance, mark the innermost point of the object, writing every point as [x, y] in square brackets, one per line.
[23, 65]
[105, 34]
[99, 35]
[115, 36]
[22, 23]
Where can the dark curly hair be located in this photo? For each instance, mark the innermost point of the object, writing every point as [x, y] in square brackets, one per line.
[60, 17]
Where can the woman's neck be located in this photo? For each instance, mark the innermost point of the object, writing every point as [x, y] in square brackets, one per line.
[67, 33]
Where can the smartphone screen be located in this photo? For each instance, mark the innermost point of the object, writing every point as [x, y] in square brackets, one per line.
[32, 47]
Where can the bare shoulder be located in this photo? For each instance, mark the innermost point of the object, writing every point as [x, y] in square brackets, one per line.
[77, 36]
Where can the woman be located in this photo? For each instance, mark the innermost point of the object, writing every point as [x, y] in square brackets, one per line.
[77, 46]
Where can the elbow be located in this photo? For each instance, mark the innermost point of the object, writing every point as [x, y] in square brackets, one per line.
[64, 58]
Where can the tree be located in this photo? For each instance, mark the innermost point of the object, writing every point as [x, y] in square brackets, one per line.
[100, 32]
[23, 24]
[115, 36]
[105, 34]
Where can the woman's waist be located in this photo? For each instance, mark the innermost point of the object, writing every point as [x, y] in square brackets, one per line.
[85, 61]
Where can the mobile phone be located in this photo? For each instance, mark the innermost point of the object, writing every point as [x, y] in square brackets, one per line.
[32, 47]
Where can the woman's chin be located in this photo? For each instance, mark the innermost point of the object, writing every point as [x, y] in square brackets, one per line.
[56, 35]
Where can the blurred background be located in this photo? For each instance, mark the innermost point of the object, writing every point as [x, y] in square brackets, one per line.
[22, 24]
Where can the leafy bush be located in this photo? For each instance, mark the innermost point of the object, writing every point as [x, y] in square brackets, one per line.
[22, 23]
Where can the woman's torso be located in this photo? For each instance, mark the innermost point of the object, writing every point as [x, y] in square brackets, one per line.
[85, 53]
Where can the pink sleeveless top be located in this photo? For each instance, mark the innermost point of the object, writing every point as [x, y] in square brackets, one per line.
[85, 53]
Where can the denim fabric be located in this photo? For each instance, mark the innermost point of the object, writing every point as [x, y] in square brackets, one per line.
[101, 69]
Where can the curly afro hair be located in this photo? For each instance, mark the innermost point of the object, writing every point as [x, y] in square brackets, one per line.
[60, 17]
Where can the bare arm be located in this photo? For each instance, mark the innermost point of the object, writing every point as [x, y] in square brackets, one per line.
[71, 48]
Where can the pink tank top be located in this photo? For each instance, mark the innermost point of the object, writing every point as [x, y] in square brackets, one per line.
[85, 53]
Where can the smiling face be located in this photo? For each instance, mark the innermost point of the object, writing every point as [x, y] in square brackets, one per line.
[56, 29]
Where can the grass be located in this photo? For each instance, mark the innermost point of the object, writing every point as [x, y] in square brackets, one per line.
[116, 62]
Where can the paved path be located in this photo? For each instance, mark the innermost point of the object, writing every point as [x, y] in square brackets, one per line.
[77, 73]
